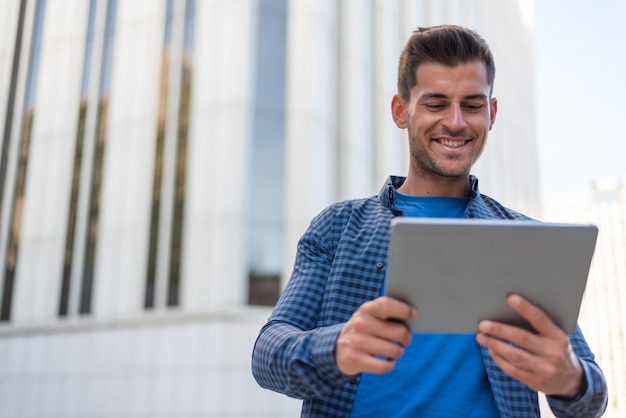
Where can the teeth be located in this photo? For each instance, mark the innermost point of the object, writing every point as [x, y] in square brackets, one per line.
[452, 144]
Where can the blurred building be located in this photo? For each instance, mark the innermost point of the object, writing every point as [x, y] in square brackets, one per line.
[159, 160]
[603, 313]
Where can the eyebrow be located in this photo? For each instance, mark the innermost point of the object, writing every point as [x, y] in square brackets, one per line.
[476, 96]
[443, 96]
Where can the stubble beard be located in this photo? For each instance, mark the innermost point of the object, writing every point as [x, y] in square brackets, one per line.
[426, 165]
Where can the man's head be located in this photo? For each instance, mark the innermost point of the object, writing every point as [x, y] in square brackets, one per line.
[446, 45]
[445, 102]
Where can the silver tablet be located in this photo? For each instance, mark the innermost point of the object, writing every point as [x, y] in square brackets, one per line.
[457, 272]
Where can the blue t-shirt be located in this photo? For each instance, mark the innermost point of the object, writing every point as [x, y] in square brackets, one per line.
[440, 375]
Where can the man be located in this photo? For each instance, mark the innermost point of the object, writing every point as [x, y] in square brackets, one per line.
[336, 343]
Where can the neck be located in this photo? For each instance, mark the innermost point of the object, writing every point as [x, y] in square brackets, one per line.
[441, 186]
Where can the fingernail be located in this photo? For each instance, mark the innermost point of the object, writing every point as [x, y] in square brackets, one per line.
[484, 326]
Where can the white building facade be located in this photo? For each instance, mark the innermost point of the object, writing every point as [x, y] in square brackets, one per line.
[603, 313]
[160, 159]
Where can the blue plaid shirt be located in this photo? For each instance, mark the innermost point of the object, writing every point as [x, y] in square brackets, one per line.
[340, 264]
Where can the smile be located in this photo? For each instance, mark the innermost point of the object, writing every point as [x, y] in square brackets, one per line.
[453, 143]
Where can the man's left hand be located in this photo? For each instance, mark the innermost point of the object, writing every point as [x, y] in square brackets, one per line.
[547, 362]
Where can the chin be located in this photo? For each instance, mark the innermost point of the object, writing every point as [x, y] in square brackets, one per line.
[455, 173]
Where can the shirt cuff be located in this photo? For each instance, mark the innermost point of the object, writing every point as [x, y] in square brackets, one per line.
[578, 403]
[323, 354]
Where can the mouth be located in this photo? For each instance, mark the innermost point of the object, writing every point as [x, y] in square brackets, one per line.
[452, 143]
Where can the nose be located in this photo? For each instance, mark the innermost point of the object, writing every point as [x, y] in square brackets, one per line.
[454, 118]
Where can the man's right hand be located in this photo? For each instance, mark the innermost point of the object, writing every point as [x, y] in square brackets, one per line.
[374, 337]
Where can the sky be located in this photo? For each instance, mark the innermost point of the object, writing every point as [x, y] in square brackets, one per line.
[580, 92]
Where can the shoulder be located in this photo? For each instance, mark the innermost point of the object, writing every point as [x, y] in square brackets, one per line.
[347, 218]
[354, 210]
[487, 207]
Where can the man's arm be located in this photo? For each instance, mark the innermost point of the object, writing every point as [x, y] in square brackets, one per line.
[548, 361]
[300, 364]
[291, 355]
[592, 401]
[303, 364]
[297, 356]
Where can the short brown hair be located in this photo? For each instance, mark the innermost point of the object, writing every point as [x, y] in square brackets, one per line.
[447, 45]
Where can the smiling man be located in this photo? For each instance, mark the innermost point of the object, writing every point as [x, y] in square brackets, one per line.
[334, 340]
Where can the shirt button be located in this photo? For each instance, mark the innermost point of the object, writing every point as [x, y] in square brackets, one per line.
[379, 265]
[353, 382]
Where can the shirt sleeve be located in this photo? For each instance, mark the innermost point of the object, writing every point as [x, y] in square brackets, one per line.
[297, 363]
[593, 402]
[292, 355]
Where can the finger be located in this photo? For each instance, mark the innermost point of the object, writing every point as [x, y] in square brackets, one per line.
[381, 348]
[358, 342]
[511, 333]
[397, 332]
[368, 363]
[515, 362]
[539, 320]
[537, 374]
[520, 372]
[357, 352]
[364, 323]
[386, 307]
[510, 353]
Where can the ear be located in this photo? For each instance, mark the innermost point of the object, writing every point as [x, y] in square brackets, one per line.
[494, 109]
[398, 111]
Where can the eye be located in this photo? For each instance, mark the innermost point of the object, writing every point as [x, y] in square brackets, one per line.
[474, 106]
[435, 106]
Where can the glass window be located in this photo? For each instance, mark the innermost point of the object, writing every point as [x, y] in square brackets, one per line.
[180, 161]
[15, 224]
[173, 288]
[98, 160]
[78, 158]
[266, 214]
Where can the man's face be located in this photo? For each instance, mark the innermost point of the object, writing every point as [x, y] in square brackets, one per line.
[448, 117]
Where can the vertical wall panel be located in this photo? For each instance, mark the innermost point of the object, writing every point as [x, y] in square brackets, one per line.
[128, 162]
[173, 60]
[92, 60]
[311, 125]
[390, 144]
[50, 161]
[214, 250]
[355, 95]
[413, 15]
[11, 153]
[23, 177]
